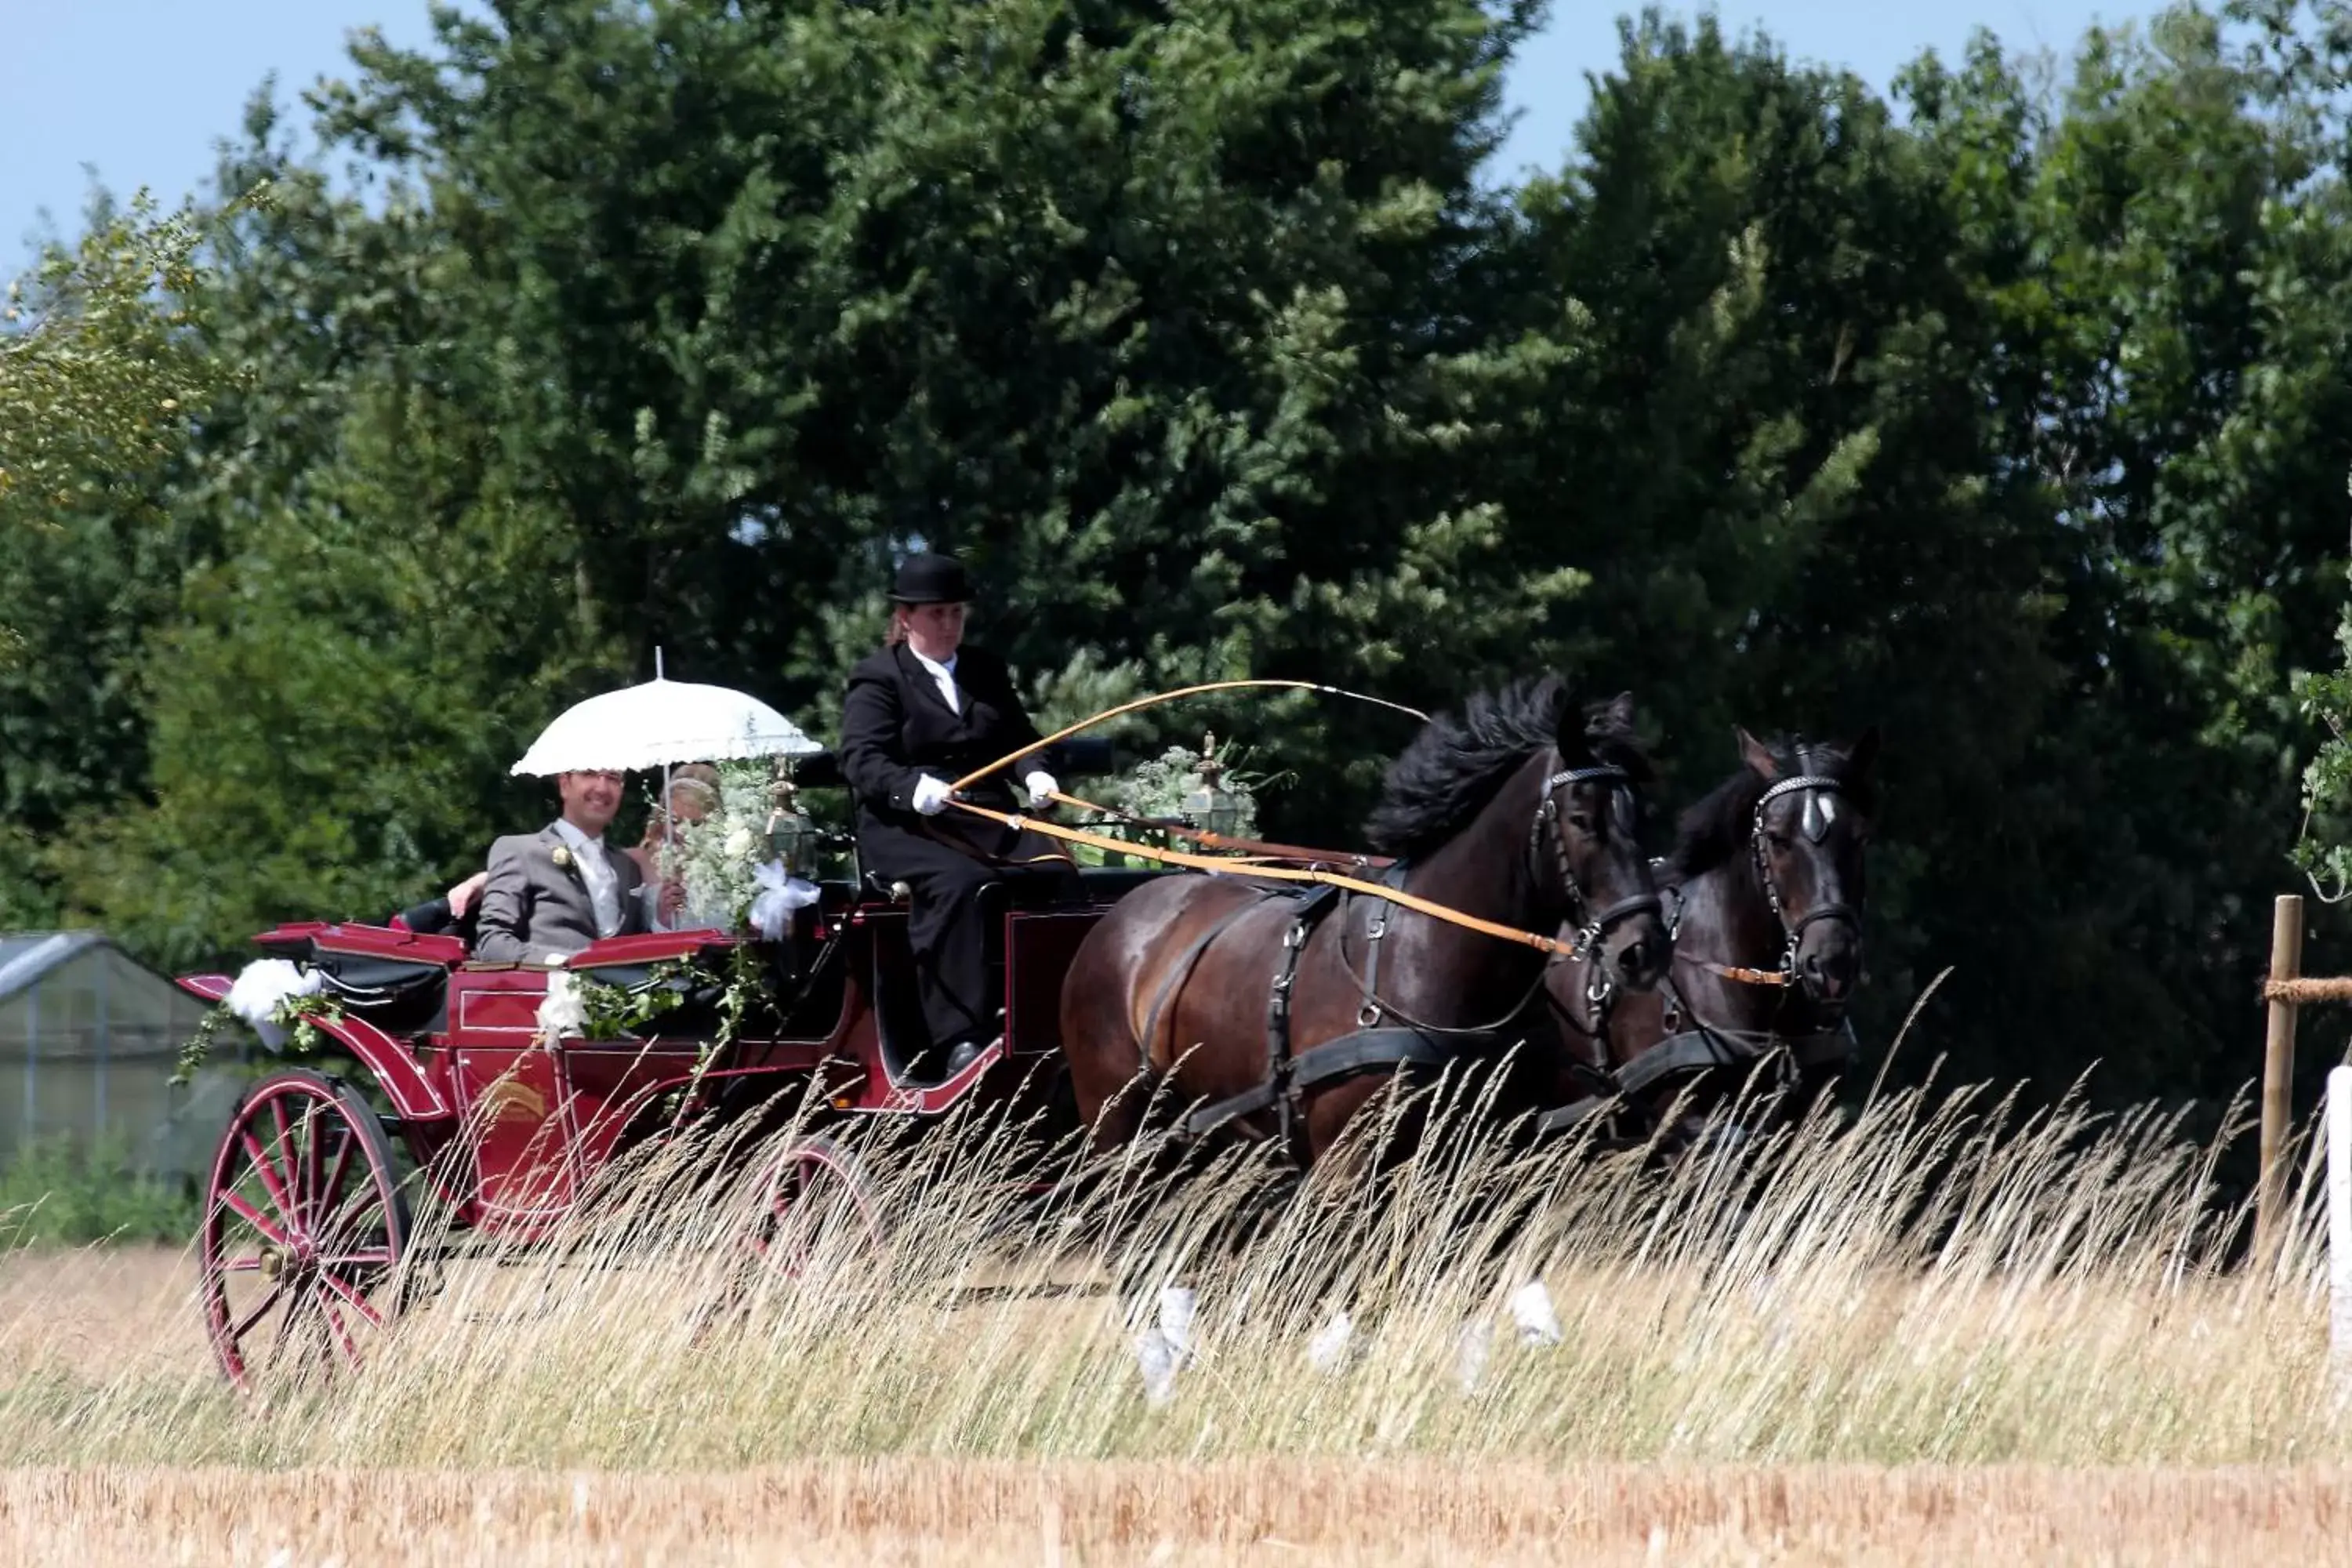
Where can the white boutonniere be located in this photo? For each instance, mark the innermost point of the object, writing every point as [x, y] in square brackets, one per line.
[562, 857]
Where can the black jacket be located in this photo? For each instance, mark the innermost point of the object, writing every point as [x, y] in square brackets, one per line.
[896, 727]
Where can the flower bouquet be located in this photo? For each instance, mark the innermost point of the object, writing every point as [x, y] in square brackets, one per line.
[724, 863]
[1199, 788]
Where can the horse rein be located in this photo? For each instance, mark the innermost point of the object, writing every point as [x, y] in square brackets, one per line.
[1590, 930]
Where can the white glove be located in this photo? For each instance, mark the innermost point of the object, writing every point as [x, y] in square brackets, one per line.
[932, 795]
[1041, 787]
[555, 960]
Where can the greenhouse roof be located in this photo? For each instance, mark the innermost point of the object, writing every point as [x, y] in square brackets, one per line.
[27, 955]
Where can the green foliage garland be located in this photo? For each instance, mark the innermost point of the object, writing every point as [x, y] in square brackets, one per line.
[197, 1050]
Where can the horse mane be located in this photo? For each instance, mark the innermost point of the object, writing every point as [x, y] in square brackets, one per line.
[1455, 765]
[1714, 829]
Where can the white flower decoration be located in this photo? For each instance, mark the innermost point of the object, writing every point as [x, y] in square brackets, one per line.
[562, 857]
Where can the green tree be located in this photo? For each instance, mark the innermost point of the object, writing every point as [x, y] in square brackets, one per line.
[103, 371]
[1157, 316]
[2000, 429]
[371, 609]
[100, 373]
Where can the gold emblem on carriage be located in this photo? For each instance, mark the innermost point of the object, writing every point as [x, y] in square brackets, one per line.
[508, 1098]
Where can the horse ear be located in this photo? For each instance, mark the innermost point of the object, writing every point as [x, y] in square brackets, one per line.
[1618, 711]
[1862, 754]
[1757, 755]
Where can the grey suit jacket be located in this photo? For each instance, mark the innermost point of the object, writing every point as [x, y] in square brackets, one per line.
[532, 909]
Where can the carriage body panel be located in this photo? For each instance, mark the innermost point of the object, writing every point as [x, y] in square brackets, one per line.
[510, 1131]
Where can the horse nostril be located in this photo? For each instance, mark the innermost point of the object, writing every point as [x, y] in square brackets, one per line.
[1824, 978]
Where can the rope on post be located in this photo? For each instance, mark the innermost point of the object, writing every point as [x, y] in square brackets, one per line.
[2308, 988]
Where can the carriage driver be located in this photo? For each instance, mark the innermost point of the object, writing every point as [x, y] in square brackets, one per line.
[925, 711]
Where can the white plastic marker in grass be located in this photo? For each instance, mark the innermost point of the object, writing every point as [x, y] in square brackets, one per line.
[1327, 1351]
[1178, 1305]
[1157, 1358]
[2339, 1223]
[1532, 1310]
[1470, 1354]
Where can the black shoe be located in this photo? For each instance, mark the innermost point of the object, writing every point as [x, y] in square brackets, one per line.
[962, 1057]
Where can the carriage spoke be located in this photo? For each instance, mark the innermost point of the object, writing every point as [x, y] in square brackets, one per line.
[284, 1329]
[269, 1174]
[244, 1326]
[329, 1280]
[290, 1169]
[376, 1257]
[307, 1174]
[254, 1217]
[240, 1265]
[350, 1221]
[335, 1321]
[334, 1180]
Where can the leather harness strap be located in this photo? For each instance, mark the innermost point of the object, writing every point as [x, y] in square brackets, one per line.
[1289, 1074]
[1369, 1014]
[1700, 1050]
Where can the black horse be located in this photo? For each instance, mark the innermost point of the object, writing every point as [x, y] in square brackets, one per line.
[1764, 895]
[1284, 1015]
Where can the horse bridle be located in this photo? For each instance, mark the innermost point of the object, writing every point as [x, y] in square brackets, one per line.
[1591, 924]
[1820, 794]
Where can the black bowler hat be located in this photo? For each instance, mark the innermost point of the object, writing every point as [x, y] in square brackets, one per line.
[932, 579]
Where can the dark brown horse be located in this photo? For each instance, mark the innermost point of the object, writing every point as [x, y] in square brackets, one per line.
[1277, 1014]
[1764, 894]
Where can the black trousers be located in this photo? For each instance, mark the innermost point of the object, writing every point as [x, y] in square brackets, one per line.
[946, 866]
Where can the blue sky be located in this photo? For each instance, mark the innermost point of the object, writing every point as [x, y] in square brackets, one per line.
[142, 89]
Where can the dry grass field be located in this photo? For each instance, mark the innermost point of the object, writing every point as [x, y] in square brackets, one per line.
[1944, 1333]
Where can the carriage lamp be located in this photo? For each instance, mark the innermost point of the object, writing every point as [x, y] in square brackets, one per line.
[793, 838]
[1212, 808]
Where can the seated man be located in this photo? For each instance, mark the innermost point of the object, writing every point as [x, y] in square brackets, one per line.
[552, 892]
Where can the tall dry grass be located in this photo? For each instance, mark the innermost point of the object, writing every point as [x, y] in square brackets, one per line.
[1945, 1281]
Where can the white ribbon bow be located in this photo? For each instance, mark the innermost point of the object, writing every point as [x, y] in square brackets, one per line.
[779, 894]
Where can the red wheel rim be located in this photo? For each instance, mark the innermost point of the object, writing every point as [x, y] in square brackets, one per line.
[303, 1228]
[819, 1211]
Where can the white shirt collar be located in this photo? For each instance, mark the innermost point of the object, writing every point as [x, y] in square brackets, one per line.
[596, 871]
[942, 675]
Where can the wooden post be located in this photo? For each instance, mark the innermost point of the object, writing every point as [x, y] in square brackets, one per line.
[2278, 1078]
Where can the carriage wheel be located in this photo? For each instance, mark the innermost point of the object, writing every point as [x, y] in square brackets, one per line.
[304, 1225]
[818, 1210]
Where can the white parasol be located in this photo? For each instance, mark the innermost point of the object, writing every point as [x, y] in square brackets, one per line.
[661, 723]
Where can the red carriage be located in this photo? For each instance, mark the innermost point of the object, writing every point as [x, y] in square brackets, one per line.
[420, 1052]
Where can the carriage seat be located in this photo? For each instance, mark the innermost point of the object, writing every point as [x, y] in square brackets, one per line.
[398, 996]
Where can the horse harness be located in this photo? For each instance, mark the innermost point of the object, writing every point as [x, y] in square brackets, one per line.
[1371, 1046]
[1706, 1047]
